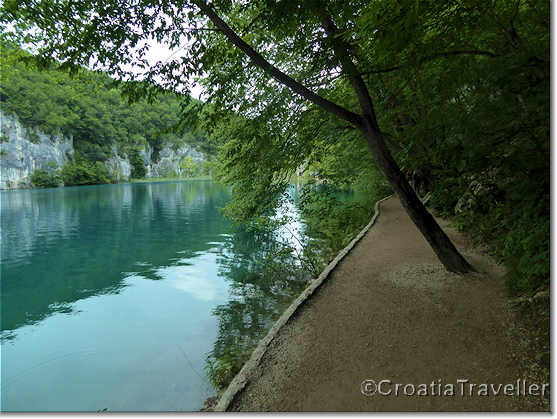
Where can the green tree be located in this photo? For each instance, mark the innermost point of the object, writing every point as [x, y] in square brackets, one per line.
[138, 164]
[188, 167]
[49, 177]
[83, 172]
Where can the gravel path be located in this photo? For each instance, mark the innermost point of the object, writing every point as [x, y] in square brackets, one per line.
[389, 311]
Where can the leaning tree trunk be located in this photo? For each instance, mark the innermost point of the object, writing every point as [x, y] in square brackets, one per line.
[441, 244]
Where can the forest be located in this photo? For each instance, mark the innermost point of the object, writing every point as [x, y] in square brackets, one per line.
[90, 107]
[449, 100]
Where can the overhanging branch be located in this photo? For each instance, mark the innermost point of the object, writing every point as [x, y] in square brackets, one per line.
[274, 72]
[432, 57]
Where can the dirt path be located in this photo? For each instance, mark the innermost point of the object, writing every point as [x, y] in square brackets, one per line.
[390, 312]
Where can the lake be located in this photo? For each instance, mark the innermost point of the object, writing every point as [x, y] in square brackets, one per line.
[113, 296]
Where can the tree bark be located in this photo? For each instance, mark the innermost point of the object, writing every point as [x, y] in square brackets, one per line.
[433, 233]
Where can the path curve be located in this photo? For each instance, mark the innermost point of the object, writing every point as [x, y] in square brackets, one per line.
[389, 311]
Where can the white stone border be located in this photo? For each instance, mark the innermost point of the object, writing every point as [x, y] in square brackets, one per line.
[242, 378]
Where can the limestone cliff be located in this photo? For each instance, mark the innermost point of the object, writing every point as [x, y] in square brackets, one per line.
[168, 161]
[119, 166]
[23, 150]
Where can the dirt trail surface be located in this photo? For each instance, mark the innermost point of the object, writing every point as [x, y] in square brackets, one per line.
[389, 311]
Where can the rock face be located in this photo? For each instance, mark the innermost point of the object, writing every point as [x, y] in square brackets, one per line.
[169, 160]
[118, 166]
[23, 150]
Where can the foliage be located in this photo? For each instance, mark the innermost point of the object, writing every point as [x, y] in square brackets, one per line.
[137, 163]
[516, 226]
[188, 167]
[170, 173]
[46, 178]
[83, 172]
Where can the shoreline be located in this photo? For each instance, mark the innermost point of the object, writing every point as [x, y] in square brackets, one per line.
[131, 181]
[221, 402]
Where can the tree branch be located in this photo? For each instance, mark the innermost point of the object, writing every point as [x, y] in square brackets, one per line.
[274, 72]
[342, 53]
[432, 57]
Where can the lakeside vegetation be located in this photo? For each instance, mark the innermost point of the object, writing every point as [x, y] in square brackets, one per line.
[168, 179]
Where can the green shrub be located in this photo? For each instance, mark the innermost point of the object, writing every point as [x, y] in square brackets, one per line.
[188, 166]
[138, 164]
[84, 173]
[44, 179]
[513, 219]
[207, 167]
[170, 173]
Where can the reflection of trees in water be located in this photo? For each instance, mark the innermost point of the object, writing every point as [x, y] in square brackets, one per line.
[268, 270]
[264, 276]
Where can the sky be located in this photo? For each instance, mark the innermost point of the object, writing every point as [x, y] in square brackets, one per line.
[156, 52]
[160, 52]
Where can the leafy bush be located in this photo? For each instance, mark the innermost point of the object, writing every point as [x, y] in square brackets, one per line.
[188, 166]
[513, 219]
[41, 178]
[138, 164]
[170, 173]
[84, 173]
[208, 167]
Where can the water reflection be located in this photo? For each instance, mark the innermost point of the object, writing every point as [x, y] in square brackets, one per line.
[66, 244]
[264, 276]
[84, 324]
[113, 296]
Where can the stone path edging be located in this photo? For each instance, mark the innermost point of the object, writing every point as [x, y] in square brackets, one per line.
[242, 378]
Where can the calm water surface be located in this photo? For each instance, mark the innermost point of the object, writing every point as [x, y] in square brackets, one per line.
[108, 294]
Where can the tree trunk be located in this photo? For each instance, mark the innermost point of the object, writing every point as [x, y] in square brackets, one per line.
[440, 243]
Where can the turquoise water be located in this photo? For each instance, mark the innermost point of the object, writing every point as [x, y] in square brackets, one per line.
[109, 293]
